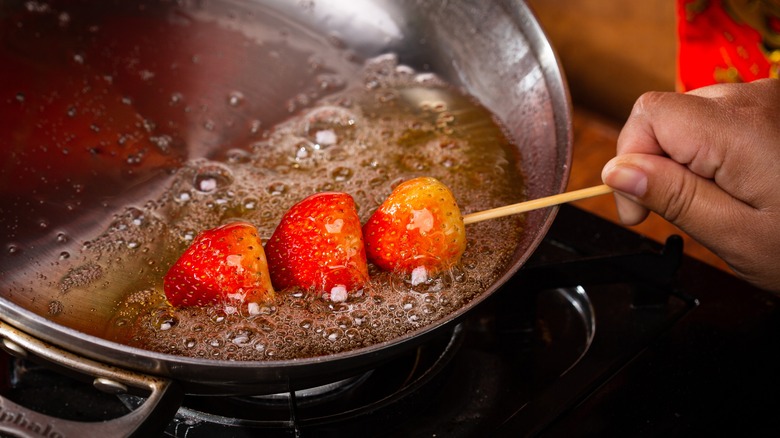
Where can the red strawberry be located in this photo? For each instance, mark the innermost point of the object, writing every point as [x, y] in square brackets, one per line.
[222, 264]
[318, 245]
[419, 226]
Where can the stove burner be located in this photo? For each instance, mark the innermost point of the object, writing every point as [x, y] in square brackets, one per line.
[545, 334]
[356, 399]
[315, 394]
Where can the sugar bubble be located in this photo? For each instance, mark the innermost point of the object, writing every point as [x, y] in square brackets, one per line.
[212, 177]
[329, 125]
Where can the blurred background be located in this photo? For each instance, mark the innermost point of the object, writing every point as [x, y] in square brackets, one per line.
[612, 50]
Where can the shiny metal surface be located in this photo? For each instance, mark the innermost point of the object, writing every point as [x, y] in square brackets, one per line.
[578, 298]
[164, 396]
[495, 50]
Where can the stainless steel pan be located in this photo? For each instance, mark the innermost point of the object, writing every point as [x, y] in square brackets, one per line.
[494, 50]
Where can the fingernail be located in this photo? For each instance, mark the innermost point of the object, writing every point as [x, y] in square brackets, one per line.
[628, 180]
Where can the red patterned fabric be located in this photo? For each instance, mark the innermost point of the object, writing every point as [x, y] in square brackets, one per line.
[715, 46]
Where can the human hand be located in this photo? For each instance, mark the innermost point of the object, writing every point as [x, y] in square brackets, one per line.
[709, 162]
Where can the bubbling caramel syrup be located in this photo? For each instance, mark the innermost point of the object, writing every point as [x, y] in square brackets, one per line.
[392, 125]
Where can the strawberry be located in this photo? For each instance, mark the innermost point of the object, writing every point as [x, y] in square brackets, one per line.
[318, 245]
[418, 229]
[226, 263]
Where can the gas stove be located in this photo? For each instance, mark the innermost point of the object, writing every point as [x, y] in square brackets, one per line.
[602, 333]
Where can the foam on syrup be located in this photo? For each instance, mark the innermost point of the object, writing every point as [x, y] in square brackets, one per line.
[391, 125]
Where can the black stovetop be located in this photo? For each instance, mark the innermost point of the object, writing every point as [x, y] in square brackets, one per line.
[602, 333]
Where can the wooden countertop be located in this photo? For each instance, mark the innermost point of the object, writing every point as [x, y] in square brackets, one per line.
[595, 138]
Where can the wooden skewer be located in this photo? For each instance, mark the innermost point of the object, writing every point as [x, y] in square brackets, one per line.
[548, 201]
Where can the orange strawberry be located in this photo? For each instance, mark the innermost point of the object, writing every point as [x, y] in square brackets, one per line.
[223, 264]
[318, 246]
[418, 229]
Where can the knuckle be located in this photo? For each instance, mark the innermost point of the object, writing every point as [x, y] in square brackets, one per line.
[646, 102]
[678, 198]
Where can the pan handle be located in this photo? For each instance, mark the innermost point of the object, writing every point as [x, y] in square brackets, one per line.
[149, 419]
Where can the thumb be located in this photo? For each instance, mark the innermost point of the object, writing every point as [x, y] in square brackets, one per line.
[657, 183]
